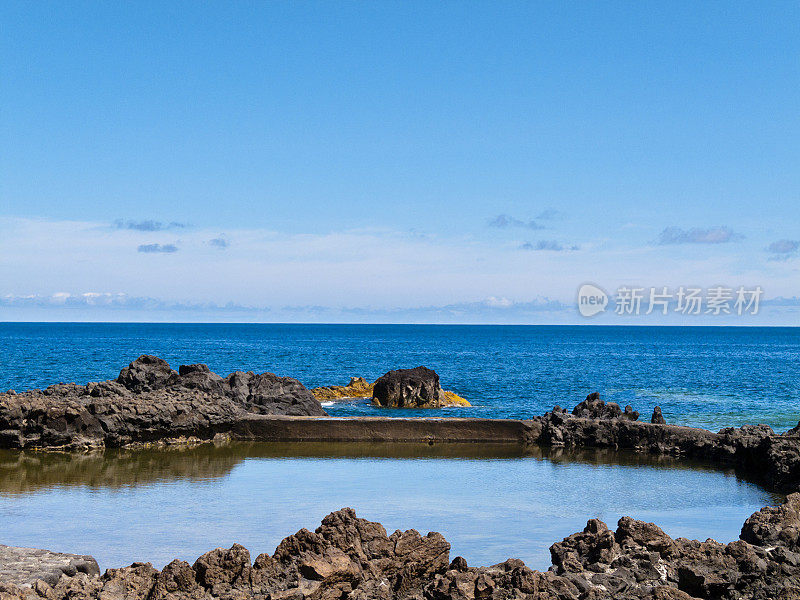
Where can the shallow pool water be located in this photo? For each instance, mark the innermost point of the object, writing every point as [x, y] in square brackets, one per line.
[491, 503]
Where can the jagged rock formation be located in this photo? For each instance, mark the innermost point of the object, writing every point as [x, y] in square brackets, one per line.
[413, 388]
[348, 558]
[595, 408]
[147, 402]
[772, 459]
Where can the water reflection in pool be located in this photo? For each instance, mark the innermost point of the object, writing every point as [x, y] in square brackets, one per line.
[490, 502]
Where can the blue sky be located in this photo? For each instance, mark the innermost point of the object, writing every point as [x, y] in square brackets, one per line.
[391, 161]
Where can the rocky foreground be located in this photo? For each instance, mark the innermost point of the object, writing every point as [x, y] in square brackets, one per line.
[348, 558]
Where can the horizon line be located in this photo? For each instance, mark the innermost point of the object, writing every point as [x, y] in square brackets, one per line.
[305, 323]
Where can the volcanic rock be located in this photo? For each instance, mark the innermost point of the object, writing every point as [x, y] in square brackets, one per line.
[358, 387]
[595, 408]
[408, 388]
[148, 402]
[24, 566]
[348, 558]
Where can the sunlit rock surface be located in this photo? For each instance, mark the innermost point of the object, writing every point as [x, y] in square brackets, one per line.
[349, 558]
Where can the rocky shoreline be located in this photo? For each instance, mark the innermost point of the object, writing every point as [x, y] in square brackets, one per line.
[150, 403]
[354, 559]
[350, 558]
[147, 402]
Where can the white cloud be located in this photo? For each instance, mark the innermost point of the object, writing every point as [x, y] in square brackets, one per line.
[493, 302]
[353, 273]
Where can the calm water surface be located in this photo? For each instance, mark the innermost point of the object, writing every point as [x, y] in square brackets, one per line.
[491, 504]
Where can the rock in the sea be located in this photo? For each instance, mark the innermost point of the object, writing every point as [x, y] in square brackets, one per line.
[452, 399]
[408, 388]
[149, 401]
[658, 418]
[358, 387]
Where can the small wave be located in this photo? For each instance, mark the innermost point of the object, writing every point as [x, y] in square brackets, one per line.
[327, 403]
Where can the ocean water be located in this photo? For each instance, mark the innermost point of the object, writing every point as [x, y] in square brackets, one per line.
[710, 377]
[491, 503]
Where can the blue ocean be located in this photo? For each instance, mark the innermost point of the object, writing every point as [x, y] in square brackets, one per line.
[155, 505]
[708, 377]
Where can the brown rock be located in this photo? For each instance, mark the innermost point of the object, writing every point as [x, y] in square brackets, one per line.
[775, 525]
[223, 568]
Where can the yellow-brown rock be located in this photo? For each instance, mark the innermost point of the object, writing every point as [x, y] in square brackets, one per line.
[357, 388]
[453, 399]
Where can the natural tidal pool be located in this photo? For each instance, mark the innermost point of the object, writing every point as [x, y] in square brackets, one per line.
[490, 502]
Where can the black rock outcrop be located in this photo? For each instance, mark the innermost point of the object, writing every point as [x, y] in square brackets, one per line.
[149, 401]
[408, 388]
[595, 408]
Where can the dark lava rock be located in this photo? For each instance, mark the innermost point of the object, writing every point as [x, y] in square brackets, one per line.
[595, 408]
[200, 377]
[148, 402]
[147, 373]
[348, 558]
[756, 450]
[408, 388]
[269, 394]
[658, 418]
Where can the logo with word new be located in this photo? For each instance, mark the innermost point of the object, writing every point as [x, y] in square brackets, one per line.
[591, 300]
